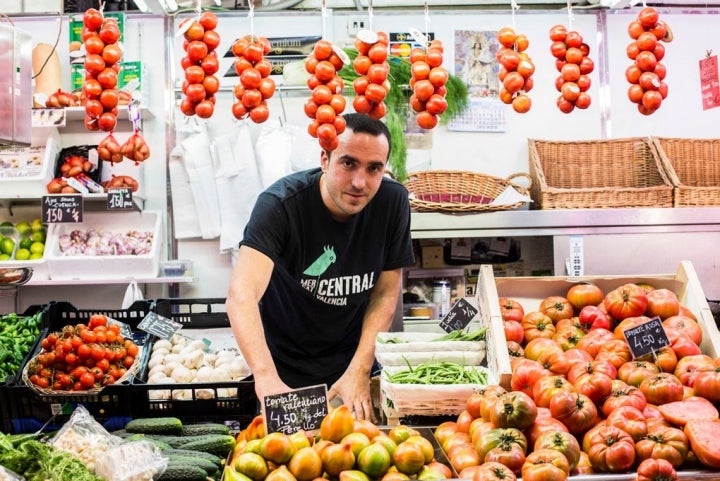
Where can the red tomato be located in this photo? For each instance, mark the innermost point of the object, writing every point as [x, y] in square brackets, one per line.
[689, 367]
[628, 300]
[610, 449]
[707, 384]
[500, 436]
[656, 470]
[663, 442]
[592, 317]
[525, 374]
[576, 411]
[546, 387]
[629, 419]
[511, 310]
[514, 331]
[614, 351]
[545, 465]
[597, 386]
[662, 388]
[561, 441]
[686, 325]
[493, 472]
[537, 324]
[578, 369]
[633, 372]
[623, 394]
[513, 410]
[568, 337]
[584, 294]
[92, 19]
[663, 303]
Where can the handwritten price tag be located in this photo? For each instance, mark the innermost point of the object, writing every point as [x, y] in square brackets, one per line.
[159, 326]
[299, 409]
[646, 338]
[62, 208]
[119, 198]
[459, 316]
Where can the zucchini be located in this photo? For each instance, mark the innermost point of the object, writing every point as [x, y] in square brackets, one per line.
[209, 467]
[183, 472]
[160, 444]
[219, 444]
[194, 454]
[204, 428]
[162, 425]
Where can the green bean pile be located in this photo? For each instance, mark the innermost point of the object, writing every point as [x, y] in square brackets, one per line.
[438, 373]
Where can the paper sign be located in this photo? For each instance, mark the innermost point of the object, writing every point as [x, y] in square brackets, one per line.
[292, 411]
[646, 338]
[62, 208]
[709, 83]
[459, 316]
[159, 326]
[119, 198]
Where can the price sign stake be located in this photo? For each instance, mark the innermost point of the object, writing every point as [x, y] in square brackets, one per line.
[292, 411]
[62, 208]
[119, 198]
[159, 326]
[646, 338]
[459, 316]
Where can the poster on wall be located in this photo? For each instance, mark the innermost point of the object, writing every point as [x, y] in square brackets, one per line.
[476, 64]
[709, 83]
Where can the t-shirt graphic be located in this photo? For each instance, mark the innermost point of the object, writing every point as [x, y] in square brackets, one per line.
[334, 290]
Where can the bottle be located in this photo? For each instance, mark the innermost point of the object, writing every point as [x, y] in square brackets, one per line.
[441, 296]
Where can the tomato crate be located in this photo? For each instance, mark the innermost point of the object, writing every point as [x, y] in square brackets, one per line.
[530, 291]
[230, 400]
[30, 409]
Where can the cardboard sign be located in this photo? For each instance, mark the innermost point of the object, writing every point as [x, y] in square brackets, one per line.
[459, 316]
[709, 82]
[646, 338]
[62, 208]
[292, 411]
[119, 198]
[159, 326]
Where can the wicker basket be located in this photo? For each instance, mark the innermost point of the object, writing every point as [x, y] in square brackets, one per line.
[598, 174]
[693, 166]
[461, 191]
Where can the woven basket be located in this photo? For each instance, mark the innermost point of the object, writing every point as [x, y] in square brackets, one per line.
[693, 166]
[598, 174]
[461, 191]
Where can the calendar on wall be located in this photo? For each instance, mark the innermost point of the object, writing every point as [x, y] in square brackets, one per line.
[482, 114]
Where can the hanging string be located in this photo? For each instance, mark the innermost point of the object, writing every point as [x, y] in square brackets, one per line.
[101, 7]
[251, 16]
[324, 14]
[571, 17]
[370, 15]
[513, 6]
[198, 8]
[427, 20]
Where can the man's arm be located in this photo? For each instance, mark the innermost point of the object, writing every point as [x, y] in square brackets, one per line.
[248, 282]
[353, 387]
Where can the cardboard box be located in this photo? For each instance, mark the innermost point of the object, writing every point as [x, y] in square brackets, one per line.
[529, 292]
[432, 257]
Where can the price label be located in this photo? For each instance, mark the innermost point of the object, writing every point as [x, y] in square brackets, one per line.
[646, 338]
[299, 409]
[459, 316]
[62, 208]
[119, 198]
[159, 326]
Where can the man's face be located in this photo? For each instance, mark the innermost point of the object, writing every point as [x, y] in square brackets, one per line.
[353, 173]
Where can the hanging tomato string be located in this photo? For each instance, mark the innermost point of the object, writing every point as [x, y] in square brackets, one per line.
[516, 66]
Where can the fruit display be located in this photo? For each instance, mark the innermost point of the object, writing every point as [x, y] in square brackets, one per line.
[200, 64]
[516, 69]
[646, 74]
[573, 62]
[22, 240]
[427, 80]
[255, 86]
[326, 103]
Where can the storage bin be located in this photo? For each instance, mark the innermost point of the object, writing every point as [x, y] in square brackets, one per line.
[595, 174]
[33, 183]
[693, 167]
[88, 267]
[231, 402]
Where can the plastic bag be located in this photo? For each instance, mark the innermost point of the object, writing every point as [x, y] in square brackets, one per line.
[132, 461]
[7, 475]
[84, 438]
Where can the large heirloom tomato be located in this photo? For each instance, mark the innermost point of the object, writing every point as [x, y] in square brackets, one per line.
[686, 325]
[629, 419]
[662, 388]
[561, 441]
[545, 465]
[656, 470]
[707, 384]
[592, 317]
[536, 324]
[510, 455]
[575, 410]
[525, 374]
[546, 387]
[689, 367]
[513, 410]
[628, 300]
[597, 386]
[633, 372]
[511, 310]
[662, 303]
[493, 472]
[663, 442]
[610, 449]
[556, 308]
[584, 294]
[500, 436]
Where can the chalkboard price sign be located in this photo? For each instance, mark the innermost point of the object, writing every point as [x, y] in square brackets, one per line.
[62, 208]
[459, 316]
[646, 338]
[119, 198]
[299, 409]
[159, 326]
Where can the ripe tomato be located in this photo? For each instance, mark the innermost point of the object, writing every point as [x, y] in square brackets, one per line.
[633, 372]
[195, 31]
[493, 471]
[426, 120]
[558, 33]
[208, 20]
[375, 93]
[536, 324]
[438, 76]
[93, 44]
[506, 36]
[378, 53]
[210, 64]
[109, 99]
[656, 470]
[109, 33]
[434, 57]
[546, 387]
[267, 87]
[94, 64]
[377, 73]
[511, 310]
[576, 411]
[648, 17]
[212, 39]
[92, 19]
[664, 442]
[423, 90]
[629, 419]
[562, 442]
[362, 64]
[250, 78]
[610, 449]
[112, 54]
[564, 104]
[628, 300]
[521, 103]
[663, 303]
[623, 394]
[107, 121]
[436, 104]
[545, 465]
[514, 331]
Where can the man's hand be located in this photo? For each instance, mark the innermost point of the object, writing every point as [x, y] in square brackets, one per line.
[353, 388]
[267, 385]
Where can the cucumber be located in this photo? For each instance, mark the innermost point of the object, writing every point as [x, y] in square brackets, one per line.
[194, 454]
[209, 467]
[219, 444]
[204, 428]
[141, 437]
[162, 425]
[183, 472]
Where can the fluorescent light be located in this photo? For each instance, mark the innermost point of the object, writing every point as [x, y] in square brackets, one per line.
[157, 6]
[169, 5]
[141, 5]
[218, 3]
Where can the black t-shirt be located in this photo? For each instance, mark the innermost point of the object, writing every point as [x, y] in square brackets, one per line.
[324, 270]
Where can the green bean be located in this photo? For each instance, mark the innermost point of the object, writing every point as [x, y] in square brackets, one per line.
[437, 373]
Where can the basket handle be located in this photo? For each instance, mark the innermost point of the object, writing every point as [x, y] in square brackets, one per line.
[525, 176]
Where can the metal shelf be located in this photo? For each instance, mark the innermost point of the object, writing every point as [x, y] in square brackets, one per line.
[115, 280]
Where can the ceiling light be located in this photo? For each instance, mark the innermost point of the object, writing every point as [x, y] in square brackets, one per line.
[160, 7]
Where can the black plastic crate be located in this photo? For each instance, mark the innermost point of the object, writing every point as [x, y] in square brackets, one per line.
[29, 410]
[30, 311]
[4, 409]
[236, 410]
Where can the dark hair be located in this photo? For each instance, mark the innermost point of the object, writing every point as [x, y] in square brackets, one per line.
[364, 124]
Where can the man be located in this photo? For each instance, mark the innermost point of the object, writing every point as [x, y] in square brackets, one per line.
[319, 270]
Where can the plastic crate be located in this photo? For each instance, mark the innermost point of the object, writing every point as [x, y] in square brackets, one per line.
[208, 401]
[29, 411]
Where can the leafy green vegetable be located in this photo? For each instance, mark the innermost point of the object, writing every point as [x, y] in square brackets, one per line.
[37, 461]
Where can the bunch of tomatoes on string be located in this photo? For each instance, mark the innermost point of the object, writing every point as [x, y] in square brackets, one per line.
[572, 60]
[516, 69]
[427, 81]
[200, 64]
